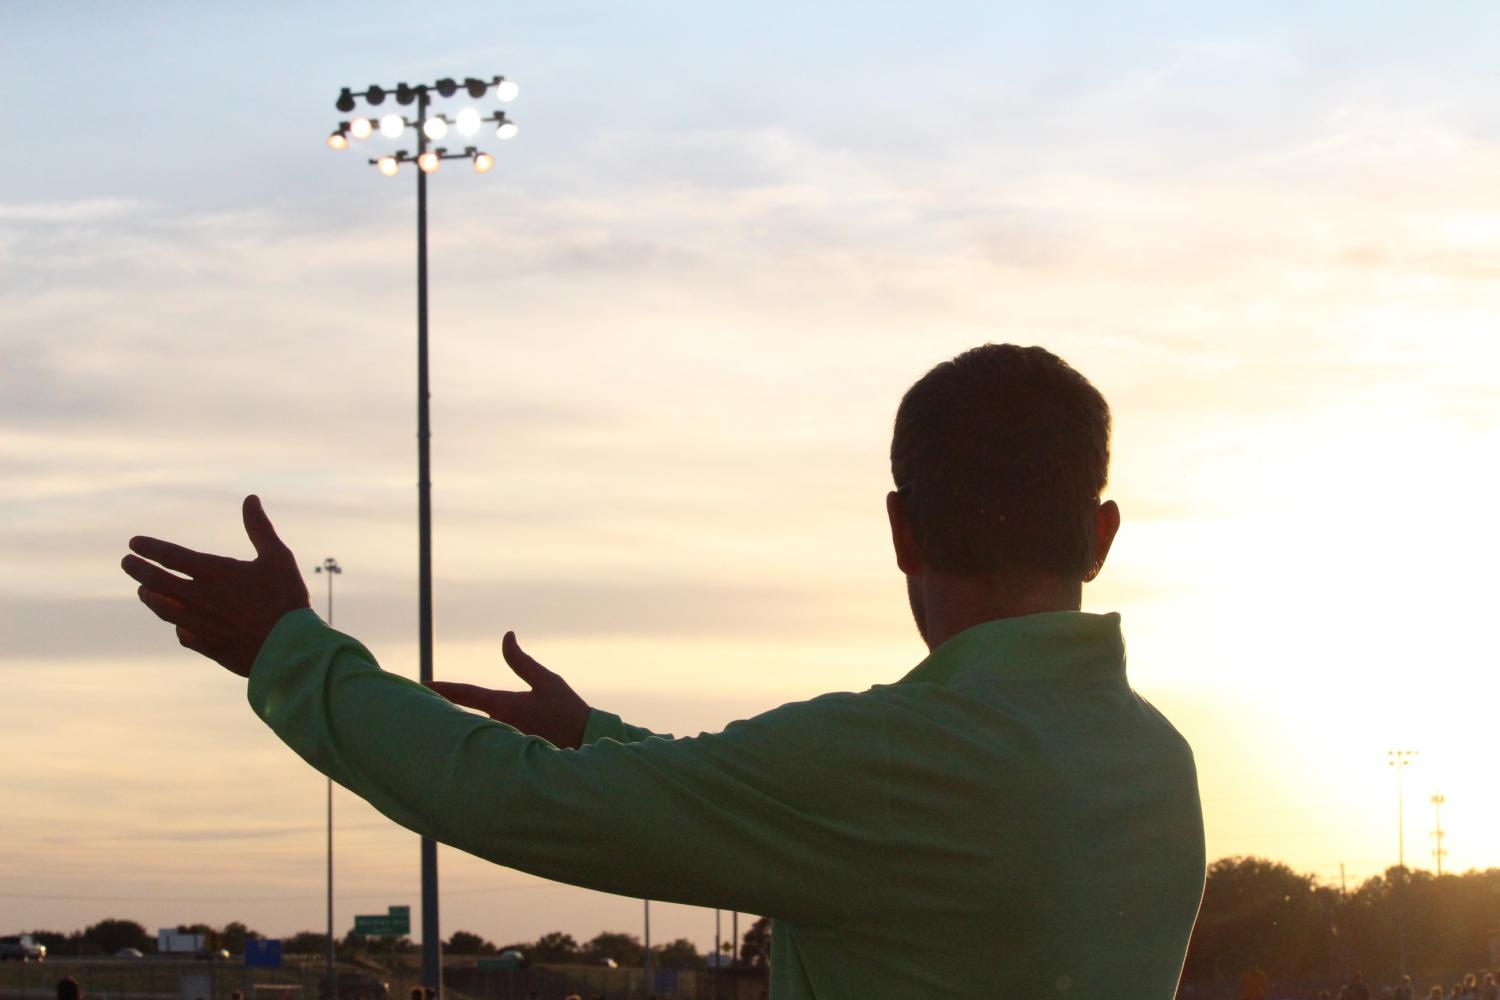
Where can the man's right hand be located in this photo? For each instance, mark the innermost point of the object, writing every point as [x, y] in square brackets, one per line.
[551, 709]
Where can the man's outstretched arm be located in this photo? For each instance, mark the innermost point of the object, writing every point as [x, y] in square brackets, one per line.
[785, 814]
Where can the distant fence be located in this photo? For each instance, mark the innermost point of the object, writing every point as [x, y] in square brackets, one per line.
[300, 978]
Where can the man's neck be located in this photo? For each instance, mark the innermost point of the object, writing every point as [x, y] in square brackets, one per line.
[946, 604]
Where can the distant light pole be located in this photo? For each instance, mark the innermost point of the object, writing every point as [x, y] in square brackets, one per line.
[330, 568]
[1438, 850]
[466, 122]
[1399, 759]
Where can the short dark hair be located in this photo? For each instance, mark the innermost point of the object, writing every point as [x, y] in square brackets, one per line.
[1000, 456]
[67, 988]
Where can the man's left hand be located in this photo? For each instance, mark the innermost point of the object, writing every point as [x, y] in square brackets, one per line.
[223, 608]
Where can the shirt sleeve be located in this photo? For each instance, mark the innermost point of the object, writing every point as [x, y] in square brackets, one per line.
[603, 725]
[785, 814]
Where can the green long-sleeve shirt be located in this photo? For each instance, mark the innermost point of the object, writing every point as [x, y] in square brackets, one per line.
[1009, 820]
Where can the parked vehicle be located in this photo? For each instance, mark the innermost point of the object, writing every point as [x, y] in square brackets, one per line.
[22, 948]
[129, 953]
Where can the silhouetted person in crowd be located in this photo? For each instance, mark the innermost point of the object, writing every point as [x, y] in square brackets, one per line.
[1355, 989]
[67, 989]
[1008, 820]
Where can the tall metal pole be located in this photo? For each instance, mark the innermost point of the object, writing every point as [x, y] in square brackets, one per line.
[390, 165]
[650, 980]
[330, 568]
[1438, 850]
[432, 970]
[1399, 759]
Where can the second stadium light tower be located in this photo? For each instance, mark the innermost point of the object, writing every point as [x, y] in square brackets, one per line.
[428, 128]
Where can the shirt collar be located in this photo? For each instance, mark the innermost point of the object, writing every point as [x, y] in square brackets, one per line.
[1059, 645]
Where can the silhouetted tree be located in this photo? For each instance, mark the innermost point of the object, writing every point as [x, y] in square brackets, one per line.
[112, 934]
[552, 947]
[305, 943]
[233, 937]
[679, 954]
[625, 949]
[1258, 912]
[468, 943]
[755, 944]
[56, 942]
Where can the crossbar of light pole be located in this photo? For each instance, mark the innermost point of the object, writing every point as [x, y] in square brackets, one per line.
[361, 129]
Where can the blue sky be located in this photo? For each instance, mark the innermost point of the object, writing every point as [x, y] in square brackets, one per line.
[670, 330]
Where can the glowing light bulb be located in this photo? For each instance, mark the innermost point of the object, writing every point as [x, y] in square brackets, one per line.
[338, 140]
[387, 165]
[391, 126]
[428, 162]
[506, 90]
[361, 128]
[483, 162]
[467, 121]
[435, 128]
[507, 130]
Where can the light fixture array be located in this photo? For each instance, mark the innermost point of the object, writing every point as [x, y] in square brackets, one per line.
[429, 127]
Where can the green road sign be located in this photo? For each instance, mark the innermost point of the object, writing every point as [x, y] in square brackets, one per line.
[395, 922]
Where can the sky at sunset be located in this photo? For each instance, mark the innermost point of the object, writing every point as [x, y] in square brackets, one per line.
[669, 333]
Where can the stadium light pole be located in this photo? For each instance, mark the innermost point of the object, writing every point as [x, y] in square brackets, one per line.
[1438, 850]
[330, 568]
[428, 128]
[1399, 759]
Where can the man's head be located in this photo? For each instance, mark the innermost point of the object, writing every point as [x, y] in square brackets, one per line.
[999, 458]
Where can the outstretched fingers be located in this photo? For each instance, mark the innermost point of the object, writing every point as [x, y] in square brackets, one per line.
[155, 578]
[467, 695]
[177, 613]
[509, 707]
[176, 557]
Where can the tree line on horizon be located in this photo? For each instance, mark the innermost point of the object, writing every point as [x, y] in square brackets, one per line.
[1257, 912]
[1254, 912]
[113, 934]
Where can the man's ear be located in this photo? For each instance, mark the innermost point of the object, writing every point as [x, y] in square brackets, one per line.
[1106, 526]
[903, 538]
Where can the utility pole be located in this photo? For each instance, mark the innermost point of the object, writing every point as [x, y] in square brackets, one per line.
[1343, 882]
[1438, 850]
[1399, 759]
[330, 568]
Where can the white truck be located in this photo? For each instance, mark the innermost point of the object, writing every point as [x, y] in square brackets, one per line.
[22, 948]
